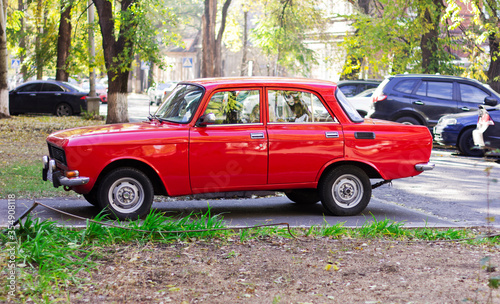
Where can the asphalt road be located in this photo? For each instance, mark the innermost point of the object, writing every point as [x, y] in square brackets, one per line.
[457, 193]
[452, 195]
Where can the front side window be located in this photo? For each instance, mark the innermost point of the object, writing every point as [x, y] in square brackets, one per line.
[181, 104]
[470, 93]
[296, 107]
[235, 107]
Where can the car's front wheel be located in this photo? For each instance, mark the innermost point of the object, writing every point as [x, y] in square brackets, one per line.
[345, 190]
[126, 193]
[466, 144]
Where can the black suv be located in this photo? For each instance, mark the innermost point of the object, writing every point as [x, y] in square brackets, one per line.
[354, 87]
[423, 99]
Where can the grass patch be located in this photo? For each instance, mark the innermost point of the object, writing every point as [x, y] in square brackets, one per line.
[49, 257]
[24, 179]
[22, 145]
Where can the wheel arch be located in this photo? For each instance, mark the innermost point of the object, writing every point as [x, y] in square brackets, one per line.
[412, 114]
[158, 186]
[461, 133]
[367, 168]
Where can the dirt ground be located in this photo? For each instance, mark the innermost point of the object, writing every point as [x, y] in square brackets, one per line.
[303, 270]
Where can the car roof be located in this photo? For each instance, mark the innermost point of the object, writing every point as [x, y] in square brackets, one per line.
[430, 76]
[261, 81]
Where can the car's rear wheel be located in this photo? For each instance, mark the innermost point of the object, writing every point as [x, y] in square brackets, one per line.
[303, 196]
[466, 144]
[126, 193]
[63, 109]
[345, 190]
[408, 120]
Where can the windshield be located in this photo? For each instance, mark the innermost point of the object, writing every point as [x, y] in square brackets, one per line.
[348, 107]
[181, 105]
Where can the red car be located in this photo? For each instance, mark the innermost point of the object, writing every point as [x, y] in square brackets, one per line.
[299, 136]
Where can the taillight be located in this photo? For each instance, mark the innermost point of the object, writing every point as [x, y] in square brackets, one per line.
[83, 97]
[379, 98]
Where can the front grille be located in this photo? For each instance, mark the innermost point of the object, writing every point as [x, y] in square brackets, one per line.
[57, 154]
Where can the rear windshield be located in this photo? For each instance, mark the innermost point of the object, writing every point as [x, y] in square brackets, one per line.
[349, 109]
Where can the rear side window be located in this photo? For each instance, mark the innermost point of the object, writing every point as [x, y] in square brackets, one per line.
[50, 87]
[296, 107]
[436, 89]
[348, 108]
[470, 93]
[405, 86]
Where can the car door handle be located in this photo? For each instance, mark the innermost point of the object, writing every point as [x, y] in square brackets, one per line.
[257, 136]
[32, 94]
[418, 103]
[57, 94]
[465, 109]
[332, 134]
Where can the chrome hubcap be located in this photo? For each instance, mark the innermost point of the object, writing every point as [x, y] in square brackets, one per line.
[126, 195]
[347, 191]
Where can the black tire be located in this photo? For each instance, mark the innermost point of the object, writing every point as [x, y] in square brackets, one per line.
[408, 120]
[64, 109]
[345, 190]
[91, 197]
[466, 144]
[303, 196]
[126, 194]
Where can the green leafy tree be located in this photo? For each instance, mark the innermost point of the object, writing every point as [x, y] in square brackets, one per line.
[398, 36]
[480, 30]
[282, 31]
[126, 31]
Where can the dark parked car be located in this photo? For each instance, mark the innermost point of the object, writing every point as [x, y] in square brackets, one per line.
[47, 96]
[457, 130]
[351, 88]
[423, 99]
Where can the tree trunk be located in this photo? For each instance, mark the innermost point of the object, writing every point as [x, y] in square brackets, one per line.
[4, 90]
[208, 39]
[218, 41]
[494, 69]
[21, 6]
[63, 42]
[244, 63]
[38, 44]
[211, 55]
[120, 47]
[429, 40]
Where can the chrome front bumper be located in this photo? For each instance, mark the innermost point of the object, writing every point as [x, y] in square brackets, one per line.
[51, 173]
[424, 166]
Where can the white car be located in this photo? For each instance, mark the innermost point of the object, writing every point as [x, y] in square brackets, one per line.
[362, 102]
[160, 91]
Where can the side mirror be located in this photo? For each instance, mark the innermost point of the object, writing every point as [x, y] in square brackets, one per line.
[205, 120]
[490, 101]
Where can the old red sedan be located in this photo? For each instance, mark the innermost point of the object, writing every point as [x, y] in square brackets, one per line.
[299, 136]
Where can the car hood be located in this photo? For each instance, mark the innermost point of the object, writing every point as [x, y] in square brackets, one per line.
[107, 134]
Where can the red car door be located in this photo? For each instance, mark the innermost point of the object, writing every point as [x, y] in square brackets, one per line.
[230, 154]
[303, 136]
